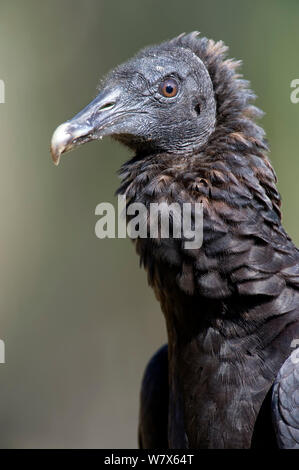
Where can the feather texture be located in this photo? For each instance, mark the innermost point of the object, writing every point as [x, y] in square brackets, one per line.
[232, 306]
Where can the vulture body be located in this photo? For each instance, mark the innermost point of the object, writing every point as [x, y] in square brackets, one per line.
[228, 377]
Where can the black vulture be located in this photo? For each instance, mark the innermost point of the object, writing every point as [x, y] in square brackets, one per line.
[229, 376]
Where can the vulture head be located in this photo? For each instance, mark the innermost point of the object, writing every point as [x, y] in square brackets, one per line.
[162, 100]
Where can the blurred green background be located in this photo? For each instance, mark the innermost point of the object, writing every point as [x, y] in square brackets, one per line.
[77, 316]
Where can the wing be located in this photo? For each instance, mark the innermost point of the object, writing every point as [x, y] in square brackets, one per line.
[153, 415]
[285, 403]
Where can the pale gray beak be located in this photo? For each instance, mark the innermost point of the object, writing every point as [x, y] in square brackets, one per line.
[87, 125]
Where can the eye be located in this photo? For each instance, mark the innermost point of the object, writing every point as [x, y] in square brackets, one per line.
[169, 88]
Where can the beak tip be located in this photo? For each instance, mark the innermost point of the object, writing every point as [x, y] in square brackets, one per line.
[59, 142]
[55, 154]
[55, 158]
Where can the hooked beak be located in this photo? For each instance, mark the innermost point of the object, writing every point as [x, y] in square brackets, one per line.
[88, 124]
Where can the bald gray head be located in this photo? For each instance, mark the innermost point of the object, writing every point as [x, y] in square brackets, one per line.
[162, 100]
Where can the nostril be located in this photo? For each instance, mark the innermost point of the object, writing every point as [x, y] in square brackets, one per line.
[107, 106]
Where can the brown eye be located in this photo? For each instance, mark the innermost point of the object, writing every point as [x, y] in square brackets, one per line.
[169, 88]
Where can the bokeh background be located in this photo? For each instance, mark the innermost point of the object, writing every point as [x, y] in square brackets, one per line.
[77, 316]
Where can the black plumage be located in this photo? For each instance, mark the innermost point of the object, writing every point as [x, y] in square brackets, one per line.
[232, 306]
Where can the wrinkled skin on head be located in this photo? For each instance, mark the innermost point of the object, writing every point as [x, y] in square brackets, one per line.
[131, 107]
